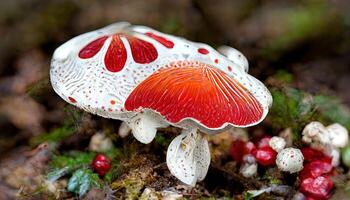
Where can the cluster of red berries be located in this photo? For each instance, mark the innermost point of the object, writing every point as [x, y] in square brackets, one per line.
[315, 181]
[101, 164]
[261, 151]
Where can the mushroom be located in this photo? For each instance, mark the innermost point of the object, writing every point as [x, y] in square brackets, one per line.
[314, 133]
[290, 160]
[338, 135]
[249, 167]
[277, 143]
[151, 80]
[329, 138]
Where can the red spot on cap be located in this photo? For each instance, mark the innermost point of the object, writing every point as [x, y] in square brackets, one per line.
[116, 55]
[167, 43]
[142, 51]
[229, 68]
[216, 61]
[72, 100]
[92, 48]
[112, 102]
[203, 51]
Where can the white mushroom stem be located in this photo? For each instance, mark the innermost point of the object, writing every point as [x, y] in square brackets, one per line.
[124, 130]
[188, 157]
[144, 126]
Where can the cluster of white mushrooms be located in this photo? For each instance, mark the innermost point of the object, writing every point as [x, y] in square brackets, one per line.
[328, 139]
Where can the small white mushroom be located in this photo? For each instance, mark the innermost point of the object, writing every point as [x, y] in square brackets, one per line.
[329, 139]
[338, 135]
[290, 160]
[315, 132]
[99, 143]
[277, 143]
[124, 130]
[249, 167]
[249, 170]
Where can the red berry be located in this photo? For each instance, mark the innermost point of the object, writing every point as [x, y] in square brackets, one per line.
[317, 188]
[315, 169]
[237, 150]
[311, 154]
[264, 142]
[241, 148]
[101, 164]
[265, 156]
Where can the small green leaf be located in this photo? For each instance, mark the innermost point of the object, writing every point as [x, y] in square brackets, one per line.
[82, 180]
[73, 183]
[248, 196]
[85, 183]
[58, 173]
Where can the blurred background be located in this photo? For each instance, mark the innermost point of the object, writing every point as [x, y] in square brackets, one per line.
[304, 43]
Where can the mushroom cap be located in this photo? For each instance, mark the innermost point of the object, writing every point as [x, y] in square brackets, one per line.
[277, 143]
[121, 70]
[315, 132]
[338, 134]
[290, 160]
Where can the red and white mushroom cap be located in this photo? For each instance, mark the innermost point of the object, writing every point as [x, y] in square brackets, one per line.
[150, 79]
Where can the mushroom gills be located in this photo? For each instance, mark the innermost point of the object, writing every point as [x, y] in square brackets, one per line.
[144, 126]
[188, 157]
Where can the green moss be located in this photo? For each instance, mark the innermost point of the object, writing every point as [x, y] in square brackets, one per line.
[283, 76]
[161, 140]
[332, 110]
[171, 25]
[39, 88]
[346, 156]
[291, 108]
[72, 159]
[295, 108]
[58, 134]
[55, 135]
